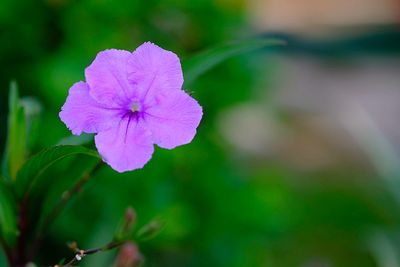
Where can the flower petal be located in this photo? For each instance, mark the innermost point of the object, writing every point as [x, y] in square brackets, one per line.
[173, 119]
[107, 77]
[127, 146]
[81, 113]
[153, 69]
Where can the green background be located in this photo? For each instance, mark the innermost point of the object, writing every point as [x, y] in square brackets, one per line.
[220, 208]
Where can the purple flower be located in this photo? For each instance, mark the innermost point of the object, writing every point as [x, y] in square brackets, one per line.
[132, 101]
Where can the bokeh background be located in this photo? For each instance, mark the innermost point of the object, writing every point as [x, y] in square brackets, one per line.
[296, 161]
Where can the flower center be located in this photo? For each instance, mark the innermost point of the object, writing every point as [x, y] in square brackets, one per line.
[135, 106]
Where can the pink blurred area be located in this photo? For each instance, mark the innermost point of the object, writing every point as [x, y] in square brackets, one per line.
[322, 16]
[340, 107]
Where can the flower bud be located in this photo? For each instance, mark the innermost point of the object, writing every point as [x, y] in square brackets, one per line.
[128, 256]
[150, 230]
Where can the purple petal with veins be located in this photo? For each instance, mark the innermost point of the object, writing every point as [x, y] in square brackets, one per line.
[132, 101]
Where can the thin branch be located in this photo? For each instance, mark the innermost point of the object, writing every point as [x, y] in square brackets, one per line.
[80, 253]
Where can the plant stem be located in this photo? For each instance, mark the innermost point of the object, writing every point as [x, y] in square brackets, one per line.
[19, 255]
[81, 253]
[63, 201]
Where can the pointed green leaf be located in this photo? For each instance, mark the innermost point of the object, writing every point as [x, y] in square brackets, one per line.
[8, 215]
[16, 137]
[203, 62]
[36, 165]
[150, 230]
[126, 225]
[33, 109]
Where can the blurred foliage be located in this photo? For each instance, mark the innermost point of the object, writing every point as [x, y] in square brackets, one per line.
[8, 218]
[219, 209]
[15, 153]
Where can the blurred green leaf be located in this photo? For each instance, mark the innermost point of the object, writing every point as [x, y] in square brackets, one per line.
[203, 62]
[76, 139]
[3, 259]
[383, 249]
[32, 109]
[16, 137]
[36, 165]
[150, 230]
[126, 225]
[8, 215]
[75, 170]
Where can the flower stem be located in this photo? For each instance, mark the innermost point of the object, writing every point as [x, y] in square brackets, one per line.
[58, 208]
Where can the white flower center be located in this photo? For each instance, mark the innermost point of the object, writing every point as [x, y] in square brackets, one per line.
[135, 106]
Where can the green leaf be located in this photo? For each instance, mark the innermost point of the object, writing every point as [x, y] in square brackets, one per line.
[35, 166]
[76, 140]
[126, 225]
[8, 215]
[73, 172]
[203, 62]
[16, 137]
[3, 259]
[33, 109]
[150, 230]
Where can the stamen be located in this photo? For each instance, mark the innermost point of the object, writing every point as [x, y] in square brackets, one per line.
[135, 106]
